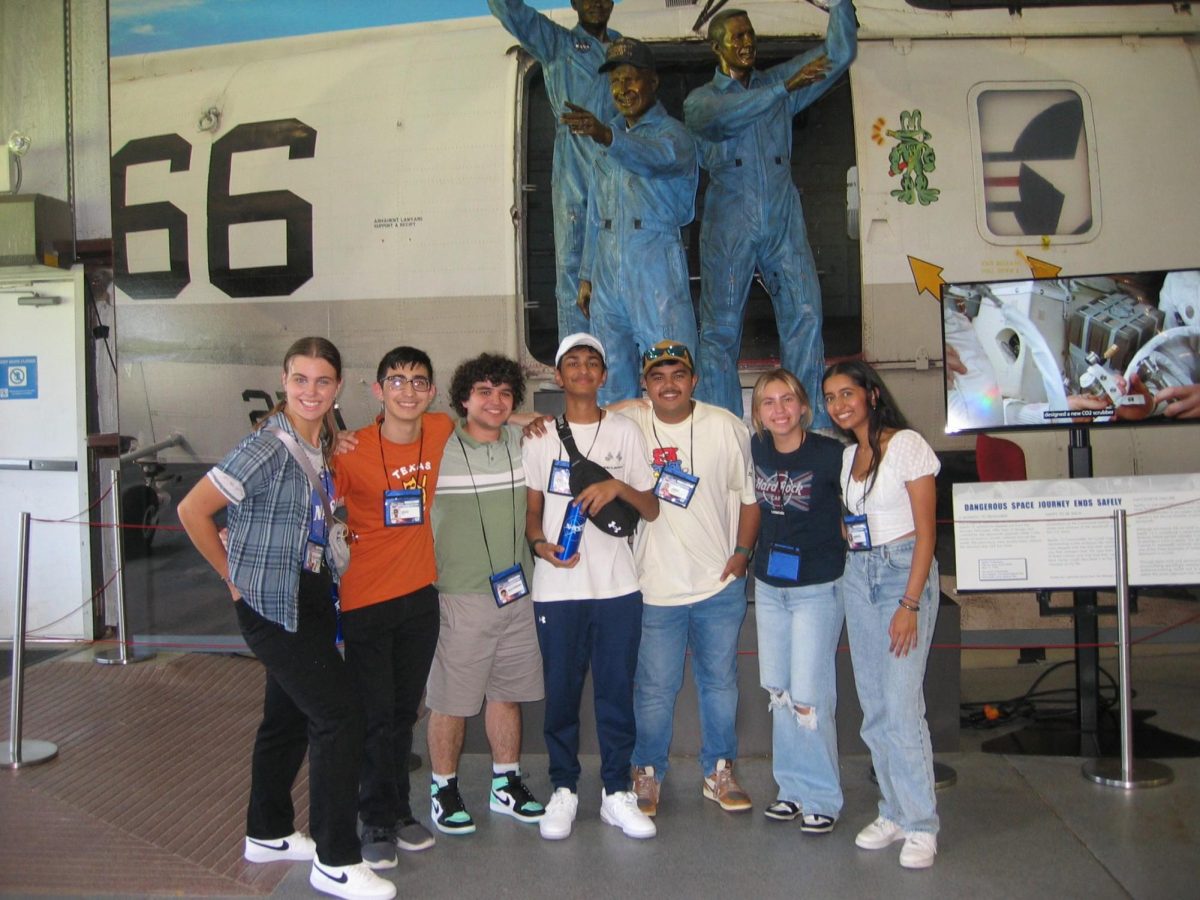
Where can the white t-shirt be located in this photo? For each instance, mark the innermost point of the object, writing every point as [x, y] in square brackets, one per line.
[889, 512]
[606, 567]
[681, 554]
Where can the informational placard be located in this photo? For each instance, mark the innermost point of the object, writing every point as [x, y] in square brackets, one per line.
[18, 378]
[1031, 535]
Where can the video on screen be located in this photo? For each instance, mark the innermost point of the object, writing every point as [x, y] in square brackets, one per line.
[1078, 350]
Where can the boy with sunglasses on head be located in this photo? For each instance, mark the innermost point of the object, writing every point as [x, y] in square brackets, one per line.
[390, 614]
[692, 563]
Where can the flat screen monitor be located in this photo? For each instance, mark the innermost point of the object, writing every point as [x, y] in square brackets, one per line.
[1114, 349]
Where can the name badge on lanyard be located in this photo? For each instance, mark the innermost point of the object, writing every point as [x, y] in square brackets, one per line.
[509, 586]
[560, 478]
[402, 508]
[857, 532]
[783, 562]
[675, 486]
[314, 554]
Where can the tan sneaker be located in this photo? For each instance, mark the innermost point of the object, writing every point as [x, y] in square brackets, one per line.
[645, 786]
[721, 787]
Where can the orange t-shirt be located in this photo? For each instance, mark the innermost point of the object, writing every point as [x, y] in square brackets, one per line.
[389, 562]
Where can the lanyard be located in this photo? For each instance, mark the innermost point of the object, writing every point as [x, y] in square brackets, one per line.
[420, 453]
[595, 437]
[691, 439]
[479, 506]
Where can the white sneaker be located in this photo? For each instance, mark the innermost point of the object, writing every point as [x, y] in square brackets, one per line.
[356, 882]
[879, 834]
[920, 847]
[294, 846]
[555, 824]
[621, 809]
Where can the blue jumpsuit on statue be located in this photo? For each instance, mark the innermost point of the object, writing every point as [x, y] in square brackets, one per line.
[753, 218]
[570, 60]
[643, 190]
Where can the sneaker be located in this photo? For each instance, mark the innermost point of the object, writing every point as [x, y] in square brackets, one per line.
[621, 809]
[782, 810]
[815, 823]
[879, 834]
[356, 882]
[448, 810]
[411, 835]
[511, 797]
[559, 816]
[646, 787]
[721, 787]
[294, 846]
[379, 847]
[920, 847]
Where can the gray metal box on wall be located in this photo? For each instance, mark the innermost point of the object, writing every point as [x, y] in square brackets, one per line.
[35, 230]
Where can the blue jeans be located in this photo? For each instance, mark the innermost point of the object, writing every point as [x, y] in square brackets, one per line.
[710, 627]
[603, 635]
[891, 688]
[798, 632]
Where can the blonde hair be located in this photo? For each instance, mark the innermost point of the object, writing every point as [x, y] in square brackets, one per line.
[793, 384]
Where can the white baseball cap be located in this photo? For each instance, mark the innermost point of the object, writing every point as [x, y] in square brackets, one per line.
[579, 339]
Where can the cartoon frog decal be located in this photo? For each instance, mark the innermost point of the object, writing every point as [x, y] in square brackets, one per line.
[912, 159]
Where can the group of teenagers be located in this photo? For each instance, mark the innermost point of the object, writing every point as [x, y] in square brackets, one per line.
[458, 588]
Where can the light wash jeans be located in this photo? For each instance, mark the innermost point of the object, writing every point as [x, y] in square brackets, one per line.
[891, 688]
[798, 632]
[710, 627]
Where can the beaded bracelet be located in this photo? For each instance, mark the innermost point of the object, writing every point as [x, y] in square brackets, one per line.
[907, 602]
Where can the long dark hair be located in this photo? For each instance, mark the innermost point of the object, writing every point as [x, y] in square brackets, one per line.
[882, 414]
[314, 348]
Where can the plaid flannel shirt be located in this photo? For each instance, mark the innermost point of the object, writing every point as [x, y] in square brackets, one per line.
[269, 528]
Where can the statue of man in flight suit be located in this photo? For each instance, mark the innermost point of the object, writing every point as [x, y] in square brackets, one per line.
[633, 281]
[570, 60]
[752, 213]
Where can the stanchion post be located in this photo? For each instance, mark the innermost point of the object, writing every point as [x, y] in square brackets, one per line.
[1126, 772]
[123, 654]
[20, 753]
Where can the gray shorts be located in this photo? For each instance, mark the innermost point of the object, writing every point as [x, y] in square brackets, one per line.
[484, 651]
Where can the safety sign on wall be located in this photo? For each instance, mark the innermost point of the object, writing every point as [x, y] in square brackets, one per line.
[18, 378]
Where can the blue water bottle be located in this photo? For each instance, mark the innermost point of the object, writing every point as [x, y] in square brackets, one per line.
[571, 532]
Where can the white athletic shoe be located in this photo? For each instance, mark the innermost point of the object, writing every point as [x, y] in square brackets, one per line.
[920, 847]
[879, 834]
[356, 882]
[294, 846]
[556, 823]
[621, 809]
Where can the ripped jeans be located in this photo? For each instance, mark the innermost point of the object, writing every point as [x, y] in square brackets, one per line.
[798, 631]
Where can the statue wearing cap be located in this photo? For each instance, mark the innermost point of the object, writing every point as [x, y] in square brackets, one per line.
[642, 190]
[569, 58]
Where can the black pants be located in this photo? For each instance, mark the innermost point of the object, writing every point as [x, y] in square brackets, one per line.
[389, 649]
[310, 705]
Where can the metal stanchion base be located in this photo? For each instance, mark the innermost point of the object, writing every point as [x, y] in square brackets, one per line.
[113, 657]
[944, 776]
[1145, 773]
[32, 753]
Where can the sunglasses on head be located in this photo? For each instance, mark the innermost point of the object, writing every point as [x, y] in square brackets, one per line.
[671, 351]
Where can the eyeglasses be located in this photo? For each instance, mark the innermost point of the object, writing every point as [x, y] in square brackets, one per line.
[671, 351]
[419, 383]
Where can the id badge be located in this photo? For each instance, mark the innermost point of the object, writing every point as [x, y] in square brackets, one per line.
[560, 478]
[314, 555]
[509, 585]
[403, 508]
[857, 532]
[783, 562]
[675, 486]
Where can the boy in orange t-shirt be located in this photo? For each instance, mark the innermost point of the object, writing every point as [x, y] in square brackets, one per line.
[389, 605]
